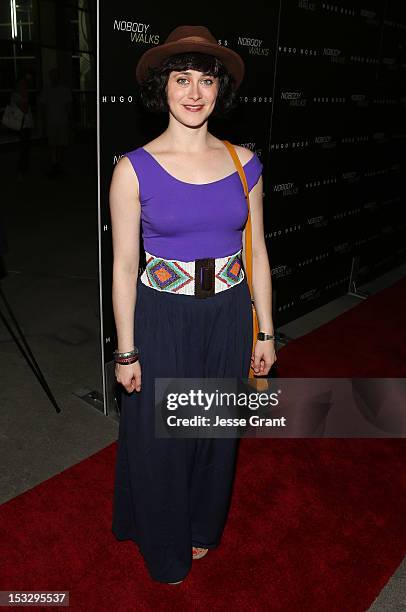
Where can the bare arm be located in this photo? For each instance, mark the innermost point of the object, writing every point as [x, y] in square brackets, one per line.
[264, 351]
[261, 273]
[125, 212]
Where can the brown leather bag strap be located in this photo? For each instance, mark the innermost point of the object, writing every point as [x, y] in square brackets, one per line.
[248, 229]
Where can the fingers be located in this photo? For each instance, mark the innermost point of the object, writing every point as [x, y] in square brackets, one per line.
[255, 364]
[131, 381]
[137, 382]
[262, 366]
[134, 384]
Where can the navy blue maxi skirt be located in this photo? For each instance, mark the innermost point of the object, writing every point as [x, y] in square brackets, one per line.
[174, 493]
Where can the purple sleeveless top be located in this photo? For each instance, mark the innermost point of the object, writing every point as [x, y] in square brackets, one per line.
[189, 221]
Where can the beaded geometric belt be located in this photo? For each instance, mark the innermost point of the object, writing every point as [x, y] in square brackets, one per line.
[200, 278]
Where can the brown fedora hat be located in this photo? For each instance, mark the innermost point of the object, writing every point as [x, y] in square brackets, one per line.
[191, 38]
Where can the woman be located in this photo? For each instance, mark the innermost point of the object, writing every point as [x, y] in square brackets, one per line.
[192, 303]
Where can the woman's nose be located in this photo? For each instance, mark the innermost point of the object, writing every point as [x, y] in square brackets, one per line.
[194, 90]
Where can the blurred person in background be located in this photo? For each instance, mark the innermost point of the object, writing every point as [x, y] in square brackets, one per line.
[56, 107]
[20, 98]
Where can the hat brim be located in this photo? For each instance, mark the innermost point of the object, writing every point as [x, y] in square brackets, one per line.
[156, 55]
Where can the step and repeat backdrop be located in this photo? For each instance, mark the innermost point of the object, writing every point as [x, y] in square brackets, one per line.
[322, 104]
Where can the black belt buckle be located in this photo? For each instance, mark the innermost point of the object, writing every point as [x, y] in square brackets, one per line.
[204, 277]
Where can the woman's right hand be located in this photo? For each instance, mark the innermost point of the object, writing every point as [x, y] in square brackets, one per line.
[129, 375]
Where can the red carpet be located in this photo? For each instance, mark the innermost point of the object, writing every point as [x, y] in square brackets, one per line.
[314, 525]
[367, 341]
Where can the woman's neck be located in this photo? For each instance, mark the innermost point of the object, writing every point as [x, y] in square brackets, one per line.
[185, 139]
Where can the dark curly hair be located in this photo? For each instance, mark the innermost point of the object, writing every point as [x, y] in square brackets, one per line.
[152, 89]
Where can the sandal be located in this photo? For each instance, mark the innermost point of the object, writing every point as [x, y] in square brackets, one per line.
[198, 553]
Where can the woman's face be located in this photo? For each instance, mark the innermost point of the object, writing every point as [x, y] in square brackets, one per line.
[191, 96]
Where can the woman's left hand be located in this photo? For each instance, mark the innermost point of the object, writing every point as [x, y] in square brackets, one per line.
[264, 357]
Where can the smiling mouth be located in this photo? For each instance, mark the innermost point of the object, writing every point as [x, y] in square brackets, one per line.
[193, 109]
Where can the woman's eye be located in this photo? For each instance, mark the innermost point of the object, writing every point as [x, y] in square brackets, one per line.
[182, 80]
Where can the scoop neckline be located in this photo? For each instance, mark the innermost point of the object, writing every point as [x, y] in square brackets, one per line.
[194, 184]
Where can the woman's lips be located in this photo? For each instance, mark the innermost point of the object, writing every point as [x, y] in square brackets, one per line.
[193, 109]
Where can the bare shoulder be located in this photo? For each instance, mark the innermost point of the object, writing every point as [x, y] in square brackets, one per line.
[125, 177]
[243, 153]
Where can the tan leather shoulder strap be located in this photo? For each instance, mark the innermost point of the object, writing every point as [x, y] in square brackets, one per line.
[238, 165]
[248, 230]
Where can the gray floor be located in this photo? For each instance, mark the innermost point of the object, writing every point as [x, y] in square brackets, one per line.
[52, 289]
